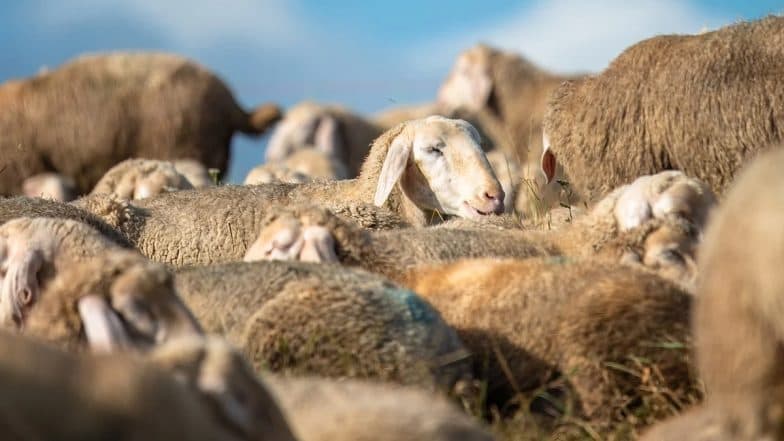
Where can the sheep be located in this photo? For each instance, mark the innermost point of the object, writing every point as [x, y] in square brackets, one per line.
[50, 186]
[325, 320]
[324, 410]
[64, 282]
[90, 113]
[54, 395]
[414, 170]
[102, 215]
[315, 408]
[301, 166]
[737, 317]
[195, 172]
[334, 130]
[655, 223]
[703, 104]
[575, 317]
[141, 178]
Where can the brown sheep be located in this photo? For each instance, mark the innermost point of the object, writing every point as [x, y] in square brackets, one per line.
[576, 317]
[141, 178]
[339, 133]
[53, 395]
[64, 282]
[737, 320]
[325, 320]
[622, 227]
[82, 118]
[703, 104]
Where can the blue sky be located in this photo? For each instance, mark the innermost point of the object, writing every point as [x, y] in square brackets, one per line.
[365, 55]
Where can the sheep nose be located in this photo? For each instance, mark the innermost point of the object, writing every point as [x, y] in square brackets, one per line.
[497, 201]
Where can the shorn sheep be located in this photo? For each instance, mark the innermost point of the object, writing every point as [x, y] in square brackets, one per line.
[141, 178]
[333, 130]
[325, 320]
[53, 395]
[703, 104]
[737, 319]
[656, 225]
[87, 115]
[66, 283]
[592, 322]
[414, 171]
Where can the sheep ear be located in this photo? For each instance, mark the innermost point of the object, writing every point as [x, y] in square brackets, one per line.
[328, 137]
[20, 286]
[103, 328]
[548, 165]
[393, 168]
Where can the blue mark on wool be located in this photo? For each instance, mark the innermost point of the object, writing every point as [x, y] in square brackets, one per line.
[418, 309]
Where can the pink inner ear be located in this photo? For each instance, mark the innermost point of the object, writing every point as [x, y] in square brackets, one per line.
[548, 165]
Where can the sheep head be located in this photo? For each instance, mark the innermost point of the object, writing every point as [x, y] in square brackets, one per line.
[295, 236]
[469, 84]
[308, 125]
[141, 178]
[118, 300]
[439, 165]
[223, 377]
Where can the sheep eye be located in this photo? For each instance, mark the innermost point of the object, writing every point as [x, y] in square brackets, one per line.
[436, 149]
[672, 256]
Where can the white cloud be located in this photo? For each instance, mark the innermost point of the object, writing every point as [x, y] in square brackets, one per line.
[573, 35]
[193, 23]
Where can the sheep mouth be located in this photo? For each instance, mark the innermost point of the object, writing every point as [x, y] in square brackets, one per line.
[475, 212]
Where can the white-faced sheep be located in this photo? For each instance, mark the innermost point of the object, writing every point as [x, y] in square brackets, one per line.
[85, 116]
[66, 283]
[592, 322]
[339, 133]
[703, 104]
[737, 320]
[328, 410]
[620, 228]
[413, 171]
[54, 395]
[50, 186]
[325, 320]
[141, 178]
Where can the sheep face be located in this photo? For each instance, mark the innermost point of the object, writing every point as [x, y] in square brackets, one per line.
[289, 238]
[440, 165]
[49, 186]
[305, 125]
[469, 84]
[146, 181]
